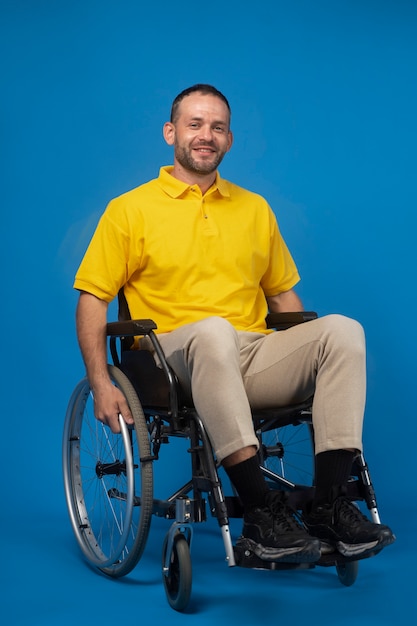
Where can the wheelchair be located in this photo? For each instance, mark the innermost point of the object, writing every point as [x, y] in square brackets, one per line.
[108, 478]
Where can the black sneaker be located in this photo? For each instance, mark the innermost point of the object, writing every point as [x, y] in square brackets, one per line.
[274, 533]
[343, 527]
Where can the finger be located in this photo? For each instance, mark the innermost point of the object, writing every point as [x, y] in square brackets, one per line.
[126, 414]
[128, 419]
[112, 421]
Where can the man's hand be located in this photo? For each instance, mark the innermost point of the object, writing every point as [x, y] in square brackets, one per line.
[109, 402]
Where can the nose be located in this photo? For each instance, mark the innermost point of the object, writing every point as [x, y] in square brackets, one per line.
[206, 133]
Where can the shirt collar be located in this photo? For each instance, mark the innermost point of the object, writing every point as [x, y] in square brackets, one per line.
[175, 188]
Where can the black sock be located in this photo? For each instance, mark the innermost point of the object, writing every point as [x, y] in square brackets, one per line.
[249, 482]
[333, 469]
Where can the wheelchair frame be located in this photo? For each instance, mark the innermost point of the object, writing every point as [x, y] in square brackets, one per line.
[116, 471]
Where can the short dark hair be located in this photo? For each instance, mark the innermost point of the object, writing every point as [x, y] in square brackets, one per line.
[199, 88]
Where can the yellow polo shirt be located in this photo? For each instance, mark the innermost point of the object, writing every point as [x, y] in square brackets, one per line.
[182, 256]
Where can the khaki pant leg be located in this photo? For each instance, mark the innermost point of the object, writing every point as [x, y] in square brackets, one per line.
[324, 357]
[205, 357]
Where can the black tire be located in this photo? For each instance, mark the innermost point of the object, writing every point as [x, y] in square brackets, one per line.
[178, 579]
[347, 572]
[108, 481]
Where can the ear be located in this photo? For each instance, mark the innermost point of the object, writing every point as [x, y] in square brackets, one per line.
[169, 133]
[230, 142]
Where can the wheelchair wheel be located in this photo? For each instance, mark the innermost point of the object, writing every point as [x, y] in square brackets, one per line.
[347, 572]
[108, 480]
[178, 579]
[288, 452]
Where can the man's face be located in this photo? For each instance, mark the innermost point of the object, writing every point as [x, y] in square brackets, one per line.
[200, 134]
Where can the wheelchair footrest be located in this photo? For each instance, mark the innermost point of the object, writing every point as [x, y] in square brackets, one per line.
[246, 558]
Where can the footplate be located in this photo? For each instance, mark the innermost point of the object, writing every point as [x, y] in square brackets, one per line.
[245, 557]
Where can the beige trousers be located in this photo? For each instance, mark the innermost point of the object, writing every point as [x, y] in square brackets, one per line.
[227, 372]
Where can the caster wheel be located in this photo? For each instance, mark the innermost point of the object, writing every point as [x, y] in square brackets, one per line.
[178, 577]
[347, 572]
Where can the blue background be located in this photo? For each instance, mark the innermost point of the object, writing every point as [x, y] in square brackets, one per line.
[324, 102]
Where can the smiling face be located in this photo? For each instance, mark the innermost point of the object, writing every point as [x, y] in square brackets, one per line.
[200, 135]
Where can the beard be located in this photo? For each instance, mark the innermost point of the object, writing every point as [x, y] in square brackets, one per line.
[204, 166]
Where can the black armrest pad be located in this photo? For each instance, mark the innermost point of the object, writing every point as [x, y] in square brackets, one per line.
[130, 328]
[281, 321]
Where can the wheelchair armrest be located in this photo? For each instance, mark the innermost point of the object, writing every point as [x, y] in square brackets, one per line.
[282, 321]
[130, 328]
[279, 321]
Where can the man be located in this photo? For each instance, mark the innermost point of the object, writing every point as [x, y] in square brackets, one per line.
[205, 259]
